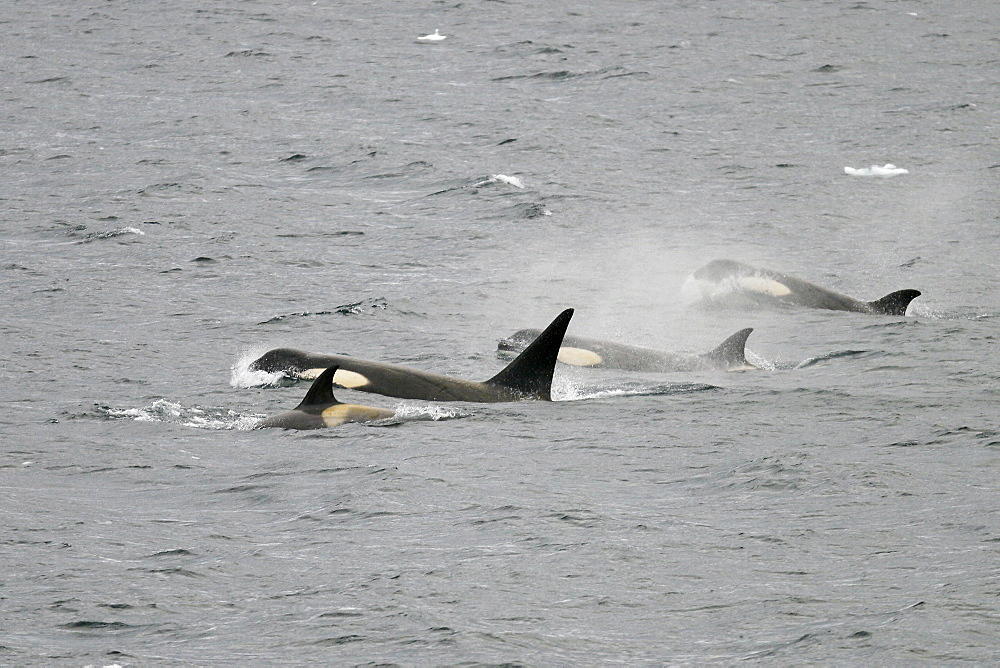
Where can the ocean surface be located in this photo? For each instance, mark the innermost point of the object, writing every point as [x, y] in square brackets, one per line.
[187, 185]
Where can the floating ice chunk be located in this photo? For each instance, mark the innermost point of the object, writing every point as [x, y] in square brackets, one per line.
[433, 37]
[885, 172]
[503, 178]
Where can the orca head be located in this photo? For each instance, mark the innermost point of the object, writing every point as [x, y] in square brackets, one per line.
[282, 360]
[518, 341]
[717, 271]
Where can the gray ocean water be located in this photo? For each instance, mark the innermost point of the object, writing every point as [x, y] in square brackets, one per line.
[186, 185]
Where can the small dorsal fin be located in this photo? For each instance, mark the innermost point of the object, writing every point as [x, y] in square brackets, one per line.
[321, 391]
[530, 374]
[894, 303]
[732, 351]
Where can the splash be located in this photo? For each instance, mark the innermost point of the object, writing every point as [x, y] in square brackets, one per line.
[163, 410]
[243, 377]
[220, 419]
[502, 178]
[110, 234]
[432, 412]
[758, 361]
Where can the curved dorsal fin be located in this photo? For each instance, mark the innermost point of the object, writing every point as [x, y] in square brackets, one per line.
[321, 391]
[732, 351]
[894, 303]
[530, 374]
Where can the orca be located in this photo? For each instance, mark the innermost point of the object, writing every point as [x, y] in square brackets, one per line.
[730, 355]
[730, 282]
[528, 376]
[320, 408]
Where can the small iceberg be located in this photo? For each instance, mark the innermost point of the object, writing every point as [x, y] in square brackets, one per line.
[885, 172]
[433, 37]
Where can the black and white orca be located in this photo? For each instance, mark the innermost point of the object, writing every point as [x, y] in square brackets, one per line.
[528, 376]
[730, 282]
[320, 408]
[730, 355]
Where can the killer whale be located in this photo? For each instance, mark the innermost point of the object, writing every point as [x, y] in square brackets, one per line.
[728, 281]
[730, 355]
[528, 376]
[320, 408]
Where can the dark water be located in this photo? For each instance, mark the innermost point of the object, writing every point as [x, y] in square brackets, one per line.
[187, 184]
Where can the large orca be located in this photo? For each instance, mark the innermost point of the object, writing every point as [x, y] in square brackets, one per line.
[529, 376]
[320, 408]
[723, 281]
[730, 355]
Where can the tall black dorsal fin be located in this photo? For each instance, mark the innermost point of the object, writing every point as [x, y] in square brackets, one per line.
[321, 391]
[894, 303]
[530, 374]
[732, 351]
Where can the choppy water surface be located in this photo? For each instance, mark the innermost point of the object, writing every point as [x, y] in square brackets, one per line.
[188, 185]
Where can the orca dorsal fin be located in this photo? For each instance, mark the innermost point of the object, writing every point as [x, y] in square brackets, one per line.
[732, 351]
[894, 303]
[530, 374]
[321, 391]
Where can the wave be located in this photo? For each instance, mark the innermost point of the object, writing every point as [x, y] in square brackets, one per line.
[110, 234]
[164, 410]
[812, 361]
[223, 419]
[354, 308]
[565, 390]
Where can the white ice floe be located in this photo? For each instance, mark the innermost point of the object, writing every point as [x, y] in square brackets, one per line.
[433, 37]
[503, 178]
[885, 172]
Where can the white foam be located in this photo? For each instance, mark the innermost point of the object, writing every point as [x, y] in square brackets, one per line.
[885, 171]
[759, 361]
[503, 178]
[163, 410]
[428, 412]
[564, 389]
[243, 377]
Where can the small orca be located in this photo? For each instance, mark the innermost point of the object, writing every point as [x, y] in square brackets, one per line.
[725, 281]
[320, 408]
[730, 355]
[528, 376]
